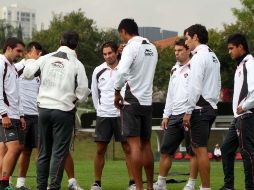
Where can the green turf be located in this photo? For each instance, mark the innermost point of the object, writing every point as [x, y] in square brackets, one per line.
[115, 174]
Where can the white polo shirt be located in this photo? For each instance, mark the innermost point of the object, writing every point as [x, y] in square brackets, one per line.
[28, 88]
[103, 92]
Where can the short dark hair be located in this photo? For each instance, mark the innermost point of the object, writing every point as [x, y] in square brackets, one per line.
[129, 25]
[70, 39]
[110, 44]
[36, 45]
[238, 39]
[12, 42]
[200, 31]
[181, 42]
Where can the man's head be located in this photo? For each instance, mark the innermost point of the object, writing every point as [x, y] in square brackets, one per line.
[70, 39]
[195, 35]
[13, 49]
[127, 29]
[109, 52]
[237, 46]
[33, 50]
[182, 51]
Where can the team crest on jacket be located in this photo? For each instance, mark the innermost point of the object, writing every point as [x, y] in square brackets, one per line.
[185, 75]
[239, 74]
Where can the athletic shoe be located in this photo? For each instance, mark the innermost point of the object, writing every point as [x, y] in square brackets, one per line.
[74, 187]
[95, 186]
[22, 188]
[157, 186]
[188, 187]
[132, 187]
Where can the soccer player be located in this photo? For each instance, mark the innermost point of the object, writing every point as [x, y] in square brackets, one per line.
[108, 121]
[203, 95]
[136, 70]
[63, 82]
[11, 110]
[241, 131]
[172, 121]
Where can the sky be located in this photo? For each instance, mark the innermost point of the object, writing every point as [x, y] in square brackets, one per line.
[173, 15]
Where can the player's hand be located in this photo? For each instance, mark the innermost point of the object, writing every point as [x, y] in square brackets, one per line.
[118, 99]
[6, 122]
[164, 123]
[120, 49]
[239, 110]
[22, 123]
[186, 120]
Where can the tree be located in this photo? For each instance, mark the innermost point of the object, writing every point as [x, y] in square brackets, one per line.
[19, 32]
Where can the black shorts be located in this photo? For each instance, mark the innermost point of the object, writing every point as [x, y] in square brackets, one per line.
[137, 121]
[174, 135]
[106, 127]
[200, 126]
[29, 136]
[11, 133]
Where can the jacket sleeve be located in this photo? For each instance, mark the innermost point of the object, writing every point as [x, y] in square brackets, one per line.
[94, 89]
[127, 58]
[168, 106]
[249, 101]
[32, 67]
[82, 91]
[197, 70]
[3, 108]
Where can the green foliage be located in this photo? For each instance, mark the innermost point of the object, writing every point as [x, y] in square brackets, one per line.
[165, 63]
[91, 38]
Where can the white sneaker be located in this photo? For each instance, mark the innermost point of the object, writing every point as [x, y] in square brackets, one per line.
[188, 187]
[132, 187]
[74, 187]
[95, 186]
[157, 186]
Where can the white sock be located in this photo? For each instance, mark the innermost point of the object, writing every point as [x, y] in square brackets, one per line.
[205, 188]
[162, 180]
[72, 181]
[21, 182]
[191, 182]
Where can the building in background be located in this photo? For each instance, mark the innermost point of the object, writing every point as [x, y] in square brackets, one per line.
[155, 33]
[19, 17]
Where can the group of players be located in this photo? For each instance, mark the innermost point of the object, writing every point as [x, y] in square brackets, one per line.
[43, 90]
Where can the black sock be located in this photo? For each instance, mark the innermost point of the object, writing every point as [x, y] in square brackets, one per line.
[131, 182]
[98, 182]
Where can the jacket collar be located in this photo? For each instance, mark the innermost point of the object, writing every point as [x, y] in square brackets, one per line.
[199, 47]
[67, 50]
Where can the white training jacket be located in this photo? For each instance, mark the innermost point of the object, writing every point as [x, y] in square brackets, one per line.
[244, 86]
[177, 90]
[103, 92]
[10, 104]
[204, 79]
[137, 67]
[63, 79]
[28, 88]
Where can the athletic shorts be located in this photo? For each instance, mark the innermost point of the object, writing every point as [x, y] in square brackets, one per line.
[11, 133]
[200, 126]
[29, 136]
[137, 121]
[173, 136]
[106, 127]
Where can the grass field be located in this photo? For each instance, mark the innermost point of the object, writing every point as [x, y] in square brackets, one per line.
[115, 174]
